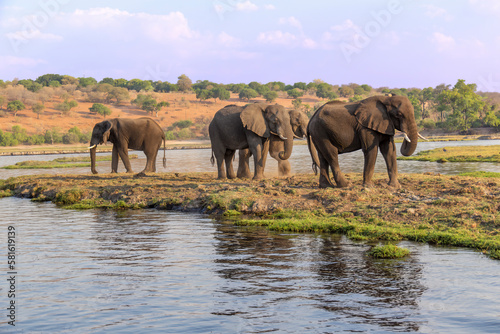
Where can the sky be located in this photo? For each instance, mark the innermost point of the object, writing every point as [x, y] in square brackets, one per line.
[383, 43]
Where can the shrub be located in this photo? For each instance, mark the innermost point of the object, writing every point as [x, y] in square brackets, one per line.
[428, 124]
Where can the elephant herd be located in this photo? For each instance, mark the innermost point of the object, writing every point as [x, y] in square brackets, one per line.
[260, 128]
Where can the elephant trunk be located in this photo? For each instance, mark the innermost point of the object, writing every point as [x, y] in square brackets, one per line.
[409, 147]
[288, 144]
[93, 159]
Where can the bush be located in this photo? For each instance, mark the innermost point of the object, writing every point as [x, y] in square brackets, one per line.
[428, 124]
[182, 124]
[70, 138]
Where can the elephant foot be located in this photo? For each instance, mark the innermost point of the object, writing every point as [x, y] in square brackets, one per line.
[94, 172]
[367, 185]
[114, 172]
[394, 184]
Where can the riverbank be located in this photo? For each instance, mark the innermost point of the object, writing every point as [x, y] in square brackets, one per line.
[83, 148]
[439, 209]
[205, 144]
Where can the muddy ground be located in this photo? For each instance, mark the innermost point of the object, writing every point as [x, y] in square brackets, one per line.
[423, 199]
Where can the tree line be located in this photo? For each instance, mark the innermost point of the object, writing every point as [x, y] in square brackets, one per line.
[452, 108]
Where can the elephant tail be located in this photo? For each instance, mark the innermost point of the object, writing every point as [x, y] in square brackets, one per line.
[164, 154]
[212, 159]
[313, 152]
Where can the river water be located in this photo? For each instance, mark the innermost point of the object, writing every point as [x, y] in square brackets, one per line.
[198, 160]
[150, 271]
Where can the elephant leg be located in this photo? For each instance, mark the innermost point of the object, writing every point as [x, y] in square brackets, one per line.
[329, 155]
[244, 164]
[324, 175]
[388, 150]
[124, 156]
[259, 149]
[369, 168]
[151, 160]
[228, 157]
[284, 168]
[114, 160]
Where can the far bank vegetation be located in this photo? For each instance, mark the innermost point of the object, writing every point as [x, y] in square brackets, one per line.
[184, 109]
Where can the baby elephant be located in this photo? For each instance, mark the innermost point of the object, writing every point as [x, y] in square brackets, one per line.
[142, 134]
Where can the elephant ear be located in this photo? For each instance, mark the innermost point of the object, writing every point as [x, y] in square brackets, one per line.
[106, 131]
[253, 119]
[372, 113]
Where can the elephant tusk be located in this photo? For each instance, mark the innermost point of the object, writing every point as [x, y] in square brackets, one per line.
[295, 136]
[406, 137]
[274, 133]
[422, 137]
[91, 147]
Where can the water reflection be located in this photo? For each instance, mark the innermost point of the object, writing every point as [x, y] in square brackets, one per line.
[331, 279]
[152, 271]
[198, 160]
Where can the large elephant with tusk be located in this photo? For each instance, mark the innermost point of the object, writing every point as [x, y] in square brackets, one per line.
[339, 127]
[241, 127]
[142, 134]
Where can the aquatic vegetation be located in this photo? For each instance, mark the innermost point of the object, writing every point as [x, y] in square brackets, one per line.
[388, 251]
[458, 154]
[65, 162]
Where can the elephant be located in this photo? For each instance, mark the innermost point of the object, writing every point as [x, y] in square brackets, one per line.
[240, 127]
[125, 133]
[338, 127]
[298, 121]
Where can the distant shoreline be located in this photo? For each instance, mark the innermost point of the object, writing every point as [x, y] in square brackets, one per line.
[203, 144]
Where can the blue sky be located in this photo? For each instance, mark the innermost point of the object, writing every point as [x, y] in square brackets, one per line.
[394, 43]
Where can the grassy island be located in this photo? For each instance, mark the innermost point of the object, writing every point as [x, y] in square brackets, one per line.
[438, 209]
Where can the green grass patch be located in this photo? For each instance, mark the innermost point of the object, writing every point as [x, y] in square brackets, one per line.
[66, 162]
[459, 154]
[481, 174]
[358, 228]
[388, 251]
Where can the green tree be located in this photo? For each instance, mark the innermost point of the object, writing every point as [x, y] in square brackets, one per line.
[325, 91]
[271, 96]
[46, 79]
[219, 93]
[202, 94]
[110, 81]
[100, 109]
[248, 93]
[297, 104]
[184, 83]
[492, 119]
[38, 109]
[346, 91]
[300, 85]
[140, 85]
[120, 94]
[295, 93]
[15, 106]
[53, 136]
[85, 82]
[465, 104]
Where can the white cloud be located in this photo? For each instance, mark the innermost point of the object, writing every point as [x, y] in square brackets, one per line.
[437, 12]
[443, 42]
[287, 39]
[292, 21]
[246, 6]
[269, 7]
[227, 40]
[486, 5]
[277, 37]
[123, 25]
[8, 61]
[34, 34]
